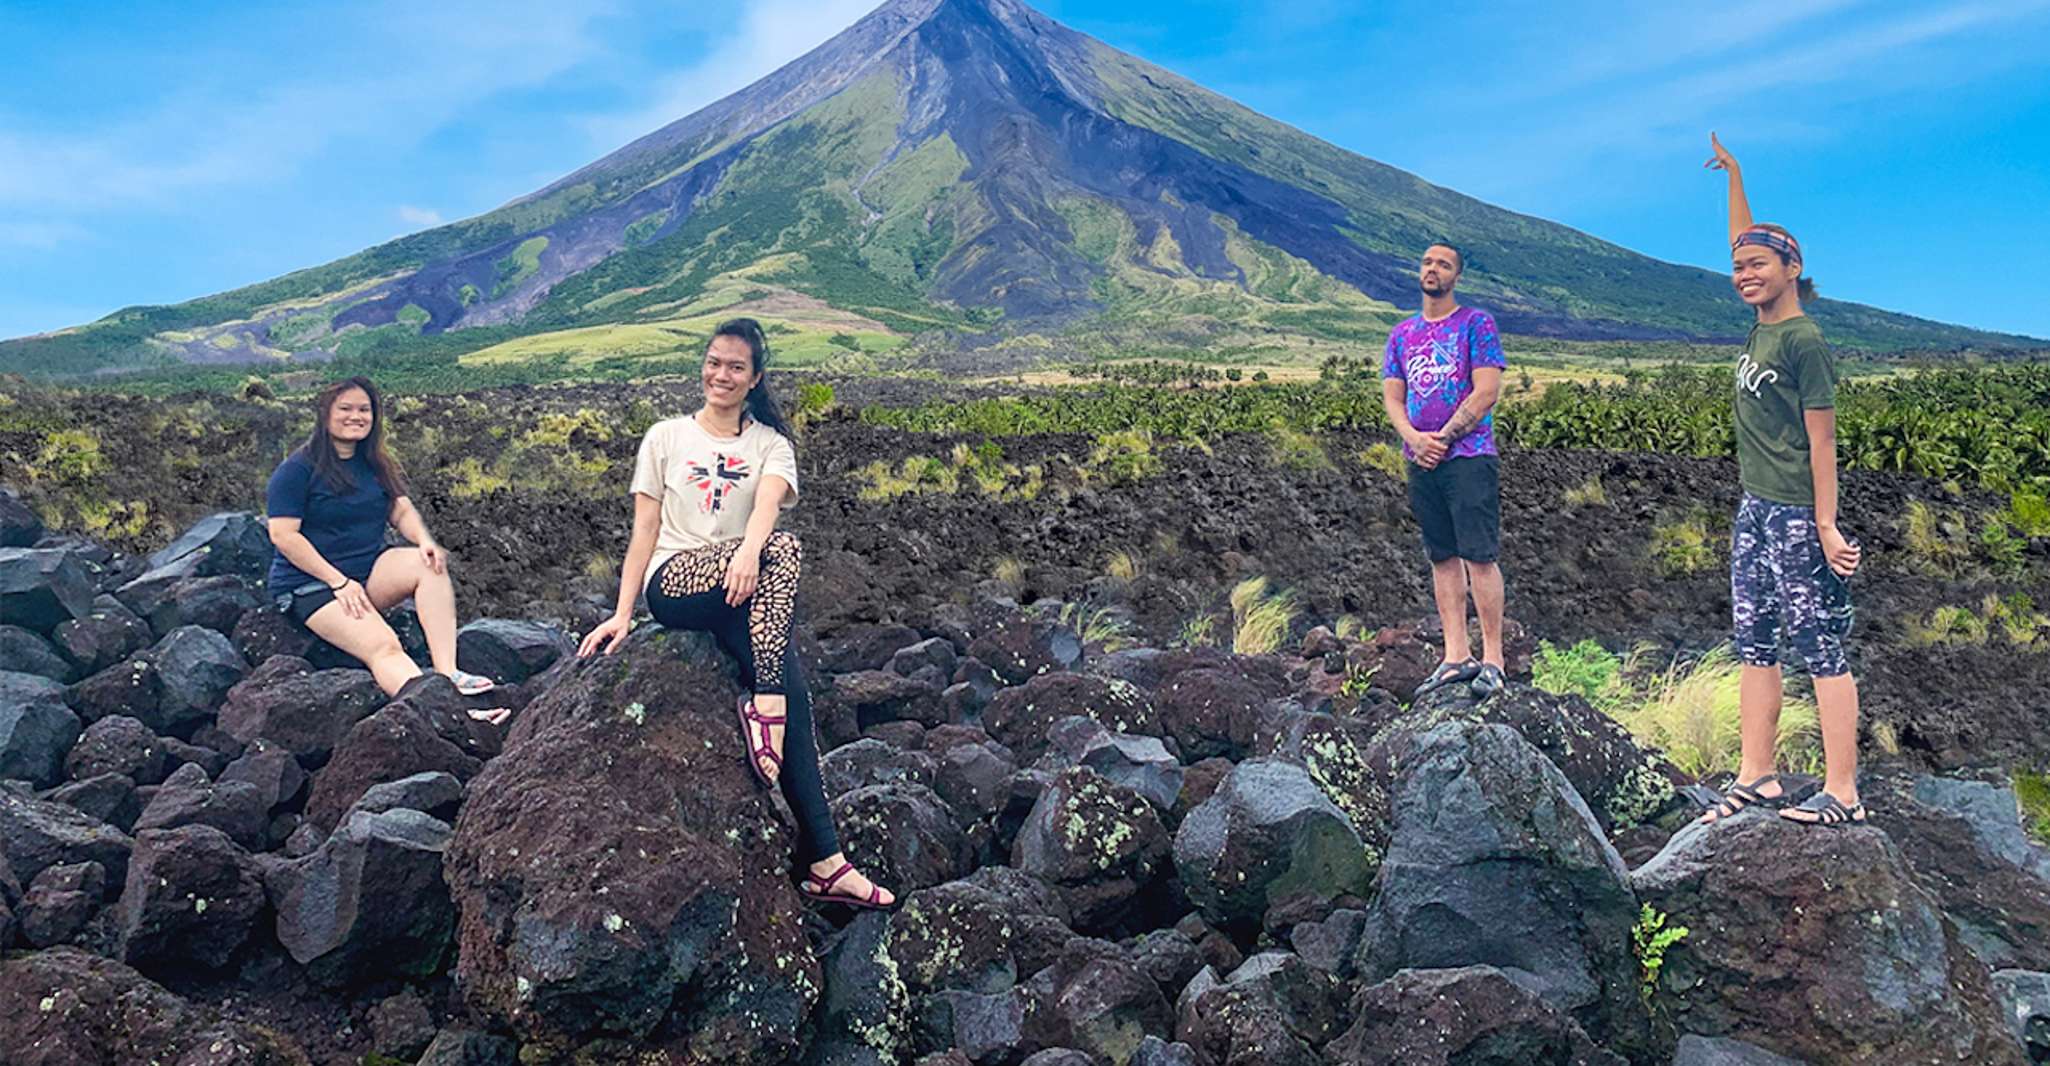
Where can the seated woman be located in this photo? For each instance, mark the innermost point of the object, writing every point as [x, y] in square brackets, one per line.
[329, 502]
[707, 490]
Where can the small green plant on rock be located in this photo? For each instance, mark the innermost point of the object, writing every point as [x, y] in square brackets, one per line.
[1948, 625]
[2032, 796]
[2029, 512]
[1260, 619]
[1385, 457]
[1685, 545]
[1589, 493]
[1649, 940]
[1586, 669]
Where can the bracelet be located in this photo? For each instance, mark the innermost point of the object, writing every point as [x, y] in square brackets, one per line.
[340, 587]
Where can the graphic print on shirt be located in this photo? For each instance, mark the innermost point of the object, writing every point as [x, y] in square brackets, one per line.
[1750, 375]
[715, 478]
[1433, 368]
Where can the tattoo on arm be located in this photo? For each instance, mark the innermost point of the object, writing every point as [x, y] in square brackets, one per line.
[1462, 421]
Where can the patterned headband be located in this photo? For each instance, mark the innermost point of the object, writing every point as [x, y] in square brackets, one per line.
[1783, 243]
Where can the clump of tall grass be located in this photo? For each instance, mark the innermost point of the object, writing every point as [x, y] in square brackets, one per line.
[1260, 620]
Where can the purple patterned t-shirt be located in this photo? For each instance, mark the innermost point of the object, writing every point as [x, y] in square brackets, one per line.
[1436, 360]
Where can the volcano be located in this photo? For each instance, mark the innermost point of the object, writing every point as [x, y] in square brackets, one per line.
[947, 164]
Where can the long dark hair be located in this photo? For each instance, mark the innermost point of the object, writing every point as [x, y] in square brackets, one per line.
[319, 448]
[1805, 288]
[761, 403]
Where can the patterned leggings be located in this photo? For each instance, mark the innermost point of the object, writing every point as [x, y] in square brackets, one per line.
[769, 612]
[689, 593]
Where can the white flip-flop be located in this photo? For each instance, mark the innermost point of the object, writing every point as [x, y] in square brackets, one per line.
[470, 684]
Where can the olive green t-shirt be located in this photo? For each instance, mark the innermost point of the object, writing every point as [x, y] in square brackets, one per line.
[1786, 369]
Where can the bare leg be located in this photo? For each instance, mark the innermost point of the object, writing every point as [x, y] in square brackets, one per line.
[1448, 587]
[1487, 603]
[1836, 703]
[401, 573]
[370, 640]
[1759, 694]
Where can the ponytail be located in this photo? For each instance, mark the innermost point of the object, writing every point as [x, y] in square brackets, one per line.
[761, 403]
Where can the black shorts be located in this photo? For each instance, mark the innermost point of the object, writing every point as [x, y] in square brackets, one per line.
[300, 603]
[1458, 505]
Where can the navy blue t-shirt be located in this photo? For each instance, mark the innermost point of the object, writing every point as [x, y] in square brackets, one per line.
[346, 528]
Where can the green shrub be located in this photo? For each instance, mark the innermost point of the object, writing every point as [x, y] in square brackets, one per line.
[1587, 670]
[1260, 620]
[1685, 545]
[1691, 712]
[2032, 796]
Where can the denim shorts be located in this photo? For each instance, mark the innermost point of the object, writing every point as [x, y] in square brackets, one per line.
[1781, 584]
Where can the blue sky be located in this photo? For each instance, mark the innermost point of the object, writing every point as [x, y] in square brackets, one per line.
[154, 152]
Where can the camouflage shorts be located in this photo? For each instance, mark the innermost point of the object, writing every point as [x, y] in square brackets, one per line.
[1779, 580]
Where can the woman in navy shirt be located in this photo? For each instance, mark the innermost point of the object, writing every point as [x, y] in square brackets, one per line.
[329, 502]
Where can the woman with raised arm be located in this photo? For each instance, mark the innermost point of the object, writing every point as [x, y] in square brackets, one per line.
[1790, 563]
[707, 490]
[329, 503]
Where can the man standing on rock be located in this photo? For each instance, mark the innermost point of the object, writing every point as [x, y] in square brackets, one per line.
[1439, 381]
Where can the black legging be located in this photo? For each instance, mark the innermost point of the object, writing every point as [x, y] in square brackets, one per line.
[689, 593]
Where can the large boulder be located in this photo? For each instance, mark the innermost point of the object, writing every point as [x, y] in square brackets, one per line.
[1020, 648]
[1816, 944]
[225, 543]
[620, 876]
[274, 773]
[117, 744]
[192, 895]
[981, 934]
[864, 1013]
[883, 696]
[190, 797]
[410, 735]
[108, 635]
[1274, 1008]
[1020, 718]
[20, 526]
[1213, 710]
[1099, 843]
[1268, 837]
[301, 710]
[134, 689]
[902, 835]
[60, 901]
[1142, 764]
[371, 903]
[1467, 1016]
[36, 729]
[64, 1007]
[1964, 841]
[38, 833]
[215, 603]
[2025, 1000]
[41, 588]
[510, 651]
[197, 667]
[1495, 861]
[109, 798]
[25, 651]
[1621, 783]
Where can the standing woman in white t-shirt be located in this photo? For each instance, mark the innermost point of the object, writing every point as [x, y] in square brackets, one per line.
[707, 490]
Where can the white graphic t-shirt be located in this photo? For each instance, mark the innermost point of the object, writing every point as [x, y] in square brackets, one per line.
[706, 483]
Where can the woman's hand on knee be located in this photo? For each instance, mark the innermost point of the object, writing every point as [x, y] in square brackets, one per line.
[355, 600]
[742, 575]
[435, 556]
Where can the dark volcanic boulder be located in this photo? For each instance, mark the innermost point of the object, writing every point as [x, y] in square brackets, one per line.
[883, 696]
[1495, 861]
[1469, 1016]
[468, 1047]
[36, 729]
[110, 798]
[25, 651]
[1621, 783]
[864, 1013]
[1212, 711]
[1099, 843]
[370, 903]
[510, 651]
[1818, 945]
[215, 603]
[275, 774]
[434, 793]
[1274, 1008]
[620, 876]
[229, 542]
[872, 762]
[41, 588]
[60, 901]
[1267, 837]
[64, 1007]
[19, 525]
[263, 633]
[108, 635]
[134, 688]
[117, 745]
[902, 835]
[968, 935]
[1964, 841]
[1020, 648]
[191, 894]
[401, 1026]
[189, 797]
[2025, 999]
[197, 666]
[1019, 718]
[1696, 1050]
[37, 833]
[1141, 764]
[299, 709]
[411, 735]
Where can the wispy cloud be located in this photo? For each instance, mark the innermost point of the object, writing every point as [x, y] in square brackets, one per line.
[770, 34]
[420, 217]
[414, 68]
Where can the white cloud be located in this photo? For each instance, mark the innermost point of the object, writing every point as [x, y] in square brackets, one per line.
[420, 217]
[398, 73]
[771, 33]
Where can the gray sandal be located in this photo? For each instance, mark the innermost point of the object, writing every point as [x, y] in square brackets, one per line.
[1827, 810]
[1745, 794]
[1447, 674]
